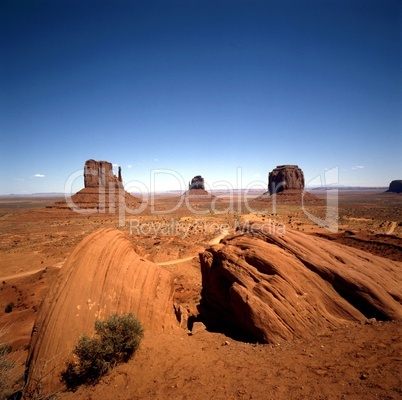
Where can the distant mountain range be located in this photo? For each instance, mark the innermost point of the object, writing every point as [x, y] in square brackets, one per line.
[30, 195]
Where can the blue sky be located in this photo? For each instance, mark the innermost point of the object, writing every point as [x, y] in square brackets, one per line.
[218, 88]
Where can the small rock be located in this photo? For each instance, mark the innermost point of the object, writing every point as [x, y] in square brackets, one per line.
[371, 321]
[363, 377]
[198, 327]
[321, 372]
[225, 343]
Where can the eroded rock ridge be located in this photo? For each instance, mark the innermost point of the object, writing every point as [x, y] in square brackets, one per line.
[271, 288]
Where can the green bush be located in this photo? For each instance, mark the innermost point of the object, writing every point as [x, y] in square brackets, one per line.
[115, 341]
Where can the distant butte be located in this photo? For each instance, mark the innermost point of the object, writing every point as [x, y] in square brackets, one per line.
[395, 186]
[196, 183]
[286, 183]
[99, 174]
[197, 188]
[285, 177]
[103, 191]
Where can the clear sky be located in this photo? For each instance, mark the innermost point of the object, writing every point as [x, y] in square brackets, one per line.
[220, 88]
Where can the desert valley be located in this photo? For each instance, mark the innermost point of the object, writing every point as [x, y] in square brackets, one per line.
[242, 295]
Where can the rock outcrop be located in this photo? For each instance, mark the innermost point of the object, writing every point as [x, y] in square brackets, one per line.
[286, 186]
[285, 177]
[99, 174]
[197, 183]
[196, 190]
[271, 288]
[395, 187]
[103, 192]
[102, 275]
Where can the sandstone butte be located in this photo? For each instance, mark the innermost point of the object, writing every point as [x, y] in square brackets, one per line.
[270, 288]
[103, 191]
[196, 183]
[196, 190]
[286, 186]
[102, 275]
[395, 186]
[285, 177]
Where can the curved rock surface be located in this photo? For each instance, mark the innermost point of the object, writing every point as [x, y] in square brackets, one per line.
[272, 288]
[102, 275]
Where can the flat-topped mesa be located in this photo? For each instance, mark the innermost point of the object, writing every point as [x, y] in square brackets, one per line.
[197, 183]
[395, 186]
[99, 174]
[285, 177]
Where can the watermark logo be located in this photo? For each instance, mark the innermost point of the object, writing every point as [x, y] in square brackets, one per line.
[200, 227]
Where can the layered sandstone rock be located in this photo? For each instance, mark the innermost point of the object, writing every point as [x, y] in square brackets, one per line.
[285, 177]
[395, 187]
[271, 288]
[93, 200]
[99, 174]
[102, 275]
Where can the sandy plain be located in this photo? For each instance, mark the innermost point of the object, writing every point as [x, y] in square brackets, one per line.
[354, 362]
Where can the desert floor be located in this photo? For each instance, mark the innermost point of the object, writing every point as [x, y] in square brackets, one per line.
[355, 362]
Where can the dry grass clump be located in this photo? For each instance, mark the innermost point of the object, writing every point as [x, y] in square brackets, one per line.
[6, 365]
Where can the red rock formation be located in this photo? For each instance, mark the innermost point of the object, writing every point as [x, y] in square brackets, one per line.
[99, 174]
[285, 177]
[290, 196]
[197, 183]
[103, 275]
[395, 186]
[103, 192]
[272, 288]
[196, 191]
[286, 182]
[90, 200]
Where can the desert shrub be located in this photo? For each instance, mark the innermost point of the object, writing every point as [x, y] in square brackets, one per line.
[6, 366]
[115, 341]
[9, 307]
